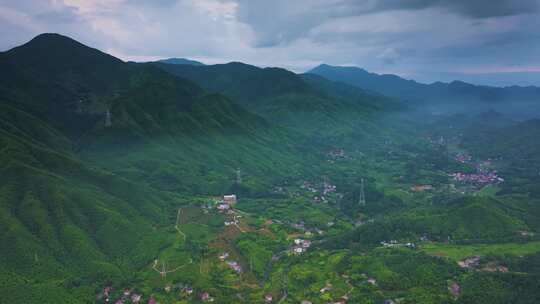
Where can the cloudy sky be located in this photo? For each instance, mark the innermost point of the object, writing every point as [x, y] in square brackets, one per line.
[493, 42]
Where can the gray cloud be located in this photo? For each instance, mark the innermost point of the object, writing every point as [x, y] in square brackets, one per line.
[470, 8]
[269, 18]
[428, 40]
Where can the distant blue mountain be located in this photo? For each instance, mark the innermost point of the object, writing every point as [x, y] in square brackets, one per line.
[439, 96]
[390, 85]
[180, 61]
[395, 86]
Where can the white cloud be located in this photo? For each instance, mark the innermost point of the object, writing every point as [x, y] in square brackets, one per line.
[92, 7]
[389, 55]
[216, 9]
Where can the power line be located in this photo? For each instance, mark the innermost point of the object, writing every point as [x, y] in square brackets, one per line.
[362, 199]
[177, 226]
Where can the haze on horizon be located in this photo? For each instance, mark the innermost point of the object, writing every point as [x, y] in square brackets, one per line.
[482, 42]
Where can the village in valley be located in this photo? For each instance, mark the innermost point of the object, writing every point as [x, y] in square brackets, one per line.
[222, 253]
[280, 249]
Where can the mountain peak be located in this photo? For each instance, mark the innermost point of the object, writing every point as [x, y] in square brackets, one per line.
[322, 66]
[352, 67]
[52, 36]
[46, 41]
[181, 61]
[55, 49]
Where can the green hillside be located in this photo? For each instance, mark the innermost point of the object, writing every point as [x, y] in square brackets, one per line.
[111, 175]
[72, 116]
[131, 118]
[464, 221]
[65, 224]
[316, 107]
[246, 83]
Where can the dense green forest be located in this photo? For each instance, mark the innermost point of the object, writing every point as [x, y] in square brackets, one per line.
[113, 176]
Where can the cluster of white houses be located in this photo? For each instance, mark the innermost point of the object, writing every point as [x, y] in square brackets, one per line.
[226, 203]
[234, 265]
[395, 244]
[126, 296]
[300, 246]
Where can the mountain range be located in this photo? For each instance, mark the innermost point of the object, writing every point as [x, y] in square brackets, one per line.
[98, 154]
[439, 97]
[94, 150]
[308, 104]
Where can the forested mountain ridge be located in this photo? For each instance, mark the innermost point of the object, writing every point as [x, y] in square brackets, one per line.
[246, 83]
[440, 97]
[396, 86]
[71, 115]
[315, 106]
[104, 109]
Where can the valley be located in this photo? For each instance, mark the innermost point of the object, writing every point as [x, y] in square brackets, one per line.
[255, 252]
[178, 182]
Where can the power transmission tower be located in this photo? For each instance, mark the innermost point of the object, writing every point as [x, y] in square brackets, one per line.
[238, 176]
[177, 226]
[362, 199]
[164, 270]
[108, 122]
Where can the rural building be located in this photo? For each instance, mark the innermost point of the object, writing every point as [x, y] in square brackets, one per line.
[229, 199]
[421, 188]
